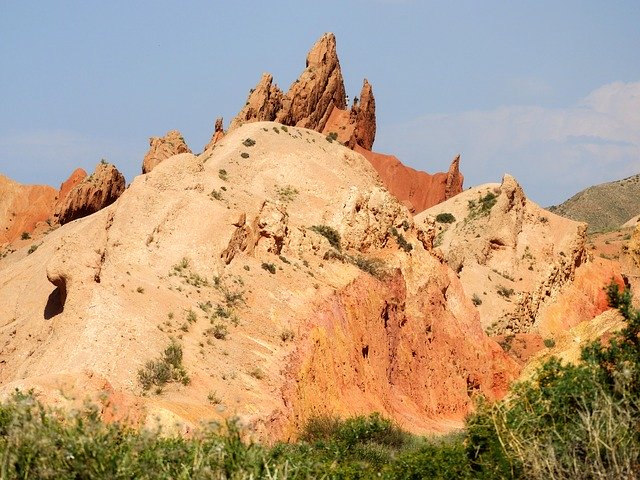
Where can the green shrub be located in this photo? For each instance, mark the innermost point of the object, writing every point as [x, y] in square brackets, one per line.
[477, 301]
[219, 331]
[223, 175]
[549, 342]
[269, 267]
[331, 137]
[25, 236]
[329, 233]
[569, 421]
[445, 218]
[249, 142]
[402, 242]
[168, 368]
[32, 249]
[244, 155]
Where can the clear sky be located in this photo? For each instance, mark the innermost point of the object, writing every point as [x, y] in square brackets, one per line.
[548, 91]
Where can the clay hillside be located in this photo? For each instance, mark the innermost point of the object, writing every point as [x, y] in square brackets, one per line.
[290, 295]
[605, 206]
[288, 271]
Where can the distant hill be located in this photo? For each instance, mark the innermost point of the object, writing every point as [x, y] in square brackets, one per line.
[604, 206]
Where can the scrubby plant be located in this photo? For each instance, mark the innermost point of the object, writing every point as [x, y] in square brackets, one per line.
[402, 242]
[32, 249]
[504, 291]
[549, 342]
[329, 233]
[167, 368]
[218, 331]
[269, 267]
[244, 155]
[571, 420]
[445, 218]
[286, 335]
[248, 142]
[287, 194]
[25, 236]
[223, 175]
[477, 301]
[331, 137]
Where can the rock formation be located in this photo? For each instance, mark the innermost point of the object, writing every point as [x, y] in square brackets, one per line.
[515, 259]
[630, 264]
[356, 126]
[93, 193]
[22, 207]
[269, 314]
[310, 99]
[317, 101]
[417, 190]
[218, 134]
[161, 148]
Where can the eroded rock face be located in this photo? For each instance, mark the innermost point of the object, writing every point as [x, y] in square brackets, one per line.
[417, 190]
[317, 100]
[630, 263]
[22, 207]
[93, 193]
[161, 148]
[310, 99]
[305, 330]
[513, 257]
[356, 126]
[218, 134]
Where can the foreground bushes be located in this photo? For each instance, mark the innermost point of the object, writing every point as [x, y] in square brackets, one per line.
[568, 422]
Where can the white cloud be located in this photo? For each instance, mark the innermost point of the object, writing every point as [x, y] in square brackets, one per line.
[553, 152]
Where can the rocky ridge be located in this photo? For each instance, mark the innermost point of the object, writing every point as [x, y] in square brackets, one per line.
[218, 253]
[517, 261]
[93, 193]
[161, 148]
[317, 100]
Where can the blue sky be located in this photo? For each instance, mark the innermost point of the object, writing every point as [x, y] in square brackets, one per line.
[547, 91]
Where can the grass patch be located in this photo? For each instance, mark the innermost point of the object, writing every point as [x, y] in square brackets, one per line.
[167, 368]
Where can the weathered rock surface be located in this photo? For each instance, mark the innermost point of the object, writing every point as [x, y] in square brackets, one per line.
[514, 258]
[630, 264]
[356, 126]
[317, 100]
[417, 190]
[306, 329]
[93, 193]
[310, 99]
[161, 148]
[218, 134]
[22, 207]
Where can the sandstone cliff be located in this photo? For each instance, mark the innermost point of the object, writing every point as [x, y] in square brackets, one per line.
[93, 193]
[417, 190]
[518, 261]
[161, 148]
[221, 252]
[317, 100]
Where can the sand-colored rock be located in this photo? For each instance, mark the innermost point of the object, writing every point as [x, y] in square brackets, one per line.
[630, 264]
[106, 293]
[93, 193]
[161, 148]
[417, 190]
[513, 257]
[263, 104]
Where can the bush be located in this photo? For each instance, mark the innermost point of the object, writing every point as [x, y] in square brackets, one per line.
[445, 218]
[329, 233]
[477, 301]
[219, 331]
[269, 267]
[249, 142]
[244, 155]
[168, 368]
[25, 236]
[331, 137]
[570, 421]
[402, 242]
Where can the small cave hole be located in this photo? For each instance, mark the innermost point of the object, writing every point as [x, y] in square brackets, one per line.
[365, 351]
